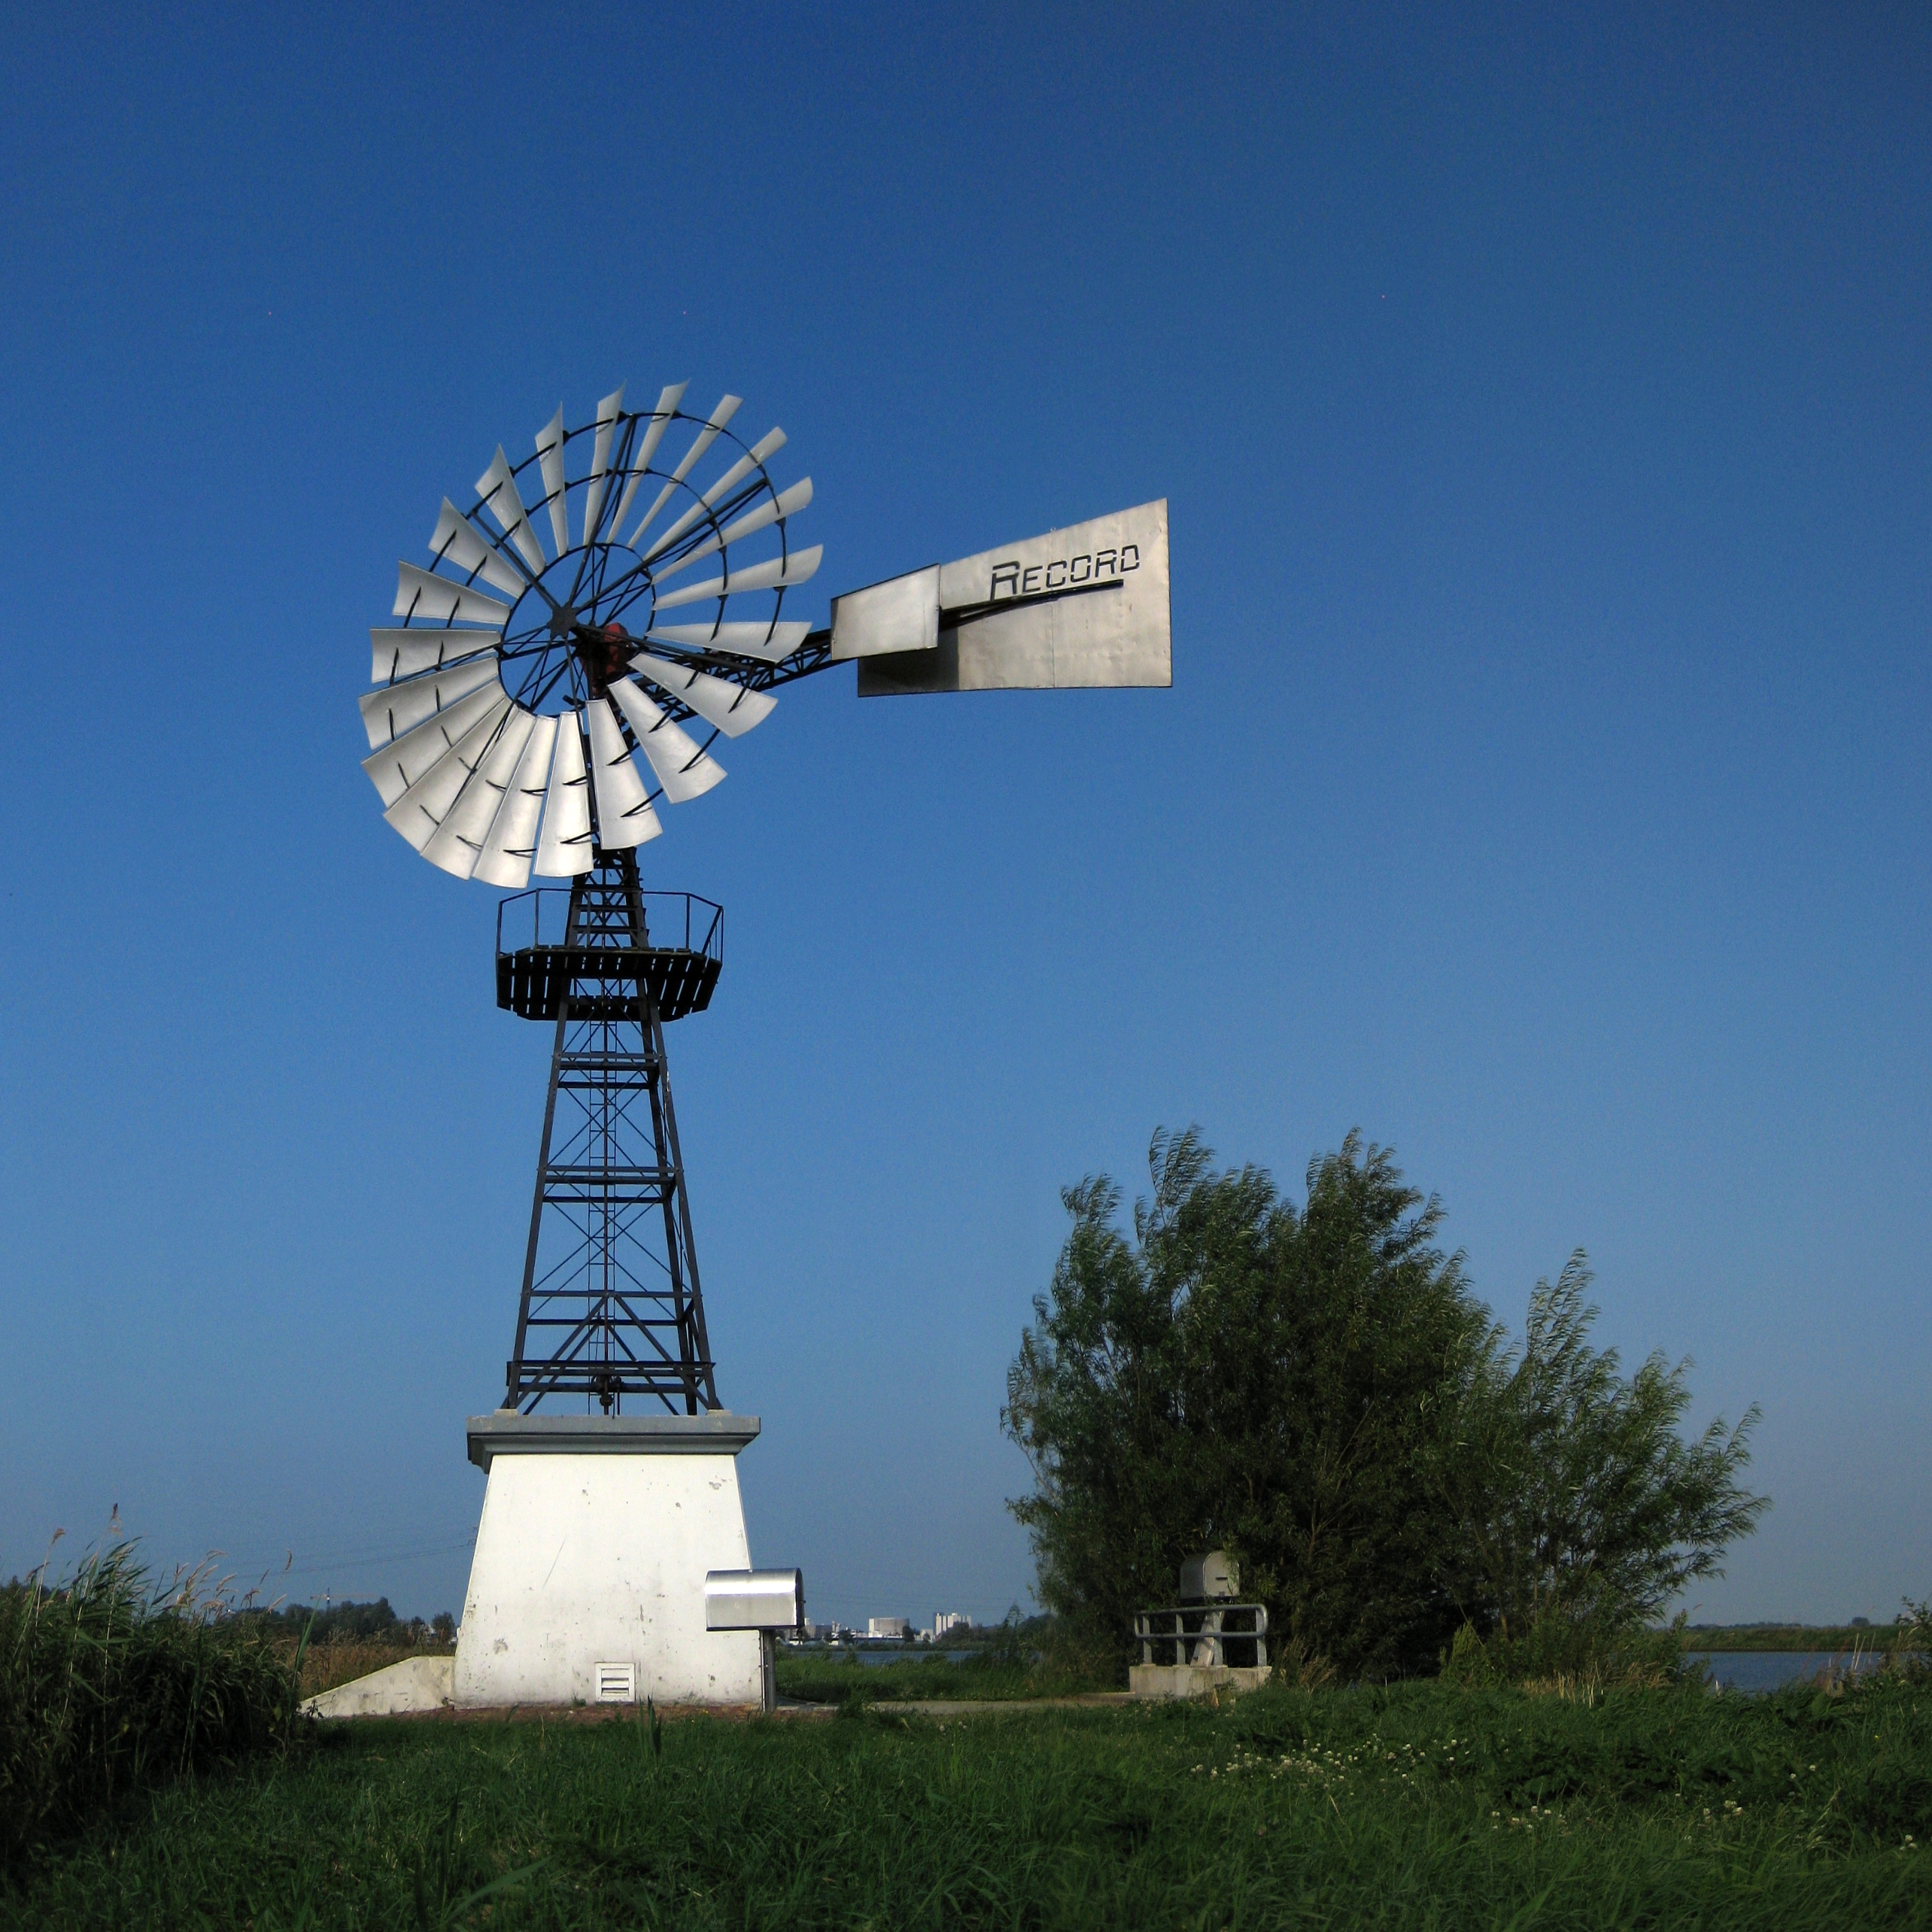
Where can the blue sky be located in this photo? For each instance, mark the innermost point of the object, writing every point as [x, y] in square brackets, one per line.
[1541, 396]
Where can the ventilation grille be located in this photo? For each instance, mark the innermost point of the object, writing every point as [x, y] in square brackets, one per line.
[617, 1684]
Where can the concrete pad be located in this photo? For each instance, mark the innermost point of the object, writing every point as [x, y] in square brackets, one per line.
[416, 1684]
[1191, 1679]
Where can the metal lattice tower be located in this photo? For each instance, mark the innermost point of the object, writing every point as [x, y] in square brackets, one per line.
[610, 1304]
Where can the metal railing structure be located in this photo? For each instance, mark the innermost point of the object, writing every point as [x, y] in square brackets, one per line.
[1234, 1634]
[674, 922]
[647, 950]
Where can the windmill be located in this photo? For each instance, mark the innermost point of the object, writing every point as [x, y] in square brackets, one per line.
[533, 708]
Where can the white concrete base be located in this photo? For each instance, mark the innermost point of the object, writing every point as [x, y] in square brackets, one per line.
[596, 1537]
[1191, 1679]
[398, 1689]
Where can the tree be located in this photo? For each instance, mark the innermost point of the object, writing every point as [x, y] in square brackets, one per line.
[1577, 1500]
[1244, 1375]
[1318, 1392]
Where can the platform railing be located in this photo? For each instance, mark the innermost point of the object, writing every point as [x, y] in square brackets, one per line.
[674, 921]
[1234, 1634]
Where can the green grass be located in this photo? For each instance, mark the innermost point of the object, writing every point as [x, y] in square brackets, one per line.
[1419, 1807]
[822, 1679]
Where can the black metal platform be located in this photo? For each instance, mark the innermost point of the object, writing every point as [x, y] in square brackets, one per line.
[531, 983]
[605, 978]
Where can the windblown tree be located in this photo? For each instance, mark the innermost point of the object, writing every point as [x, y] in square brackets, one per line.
[1246, 1375]
[1577, 1499]
[1317, 1391]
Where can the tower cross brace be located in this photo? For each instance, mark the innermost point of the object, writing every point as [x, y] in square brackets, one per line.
[612, 1306]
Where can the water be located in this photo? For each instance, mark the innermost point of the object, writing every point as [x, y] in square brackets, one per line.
[1755, 1671]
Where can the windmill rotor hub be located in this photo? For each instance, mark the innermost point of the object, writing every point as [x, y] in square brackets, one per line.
[605, 652]
[558, 625]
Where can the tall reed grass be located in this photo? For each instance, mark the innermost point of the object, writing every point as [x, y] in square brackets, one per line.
[109, 1683]
[1572, 1657]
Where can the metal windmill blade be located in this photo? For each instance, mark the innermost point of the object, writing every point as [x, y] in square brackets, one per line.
[518, 721]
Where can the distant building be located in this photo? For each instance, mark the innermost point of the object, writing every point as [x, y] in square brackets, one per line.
[885, 1627]
[943, 1620]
